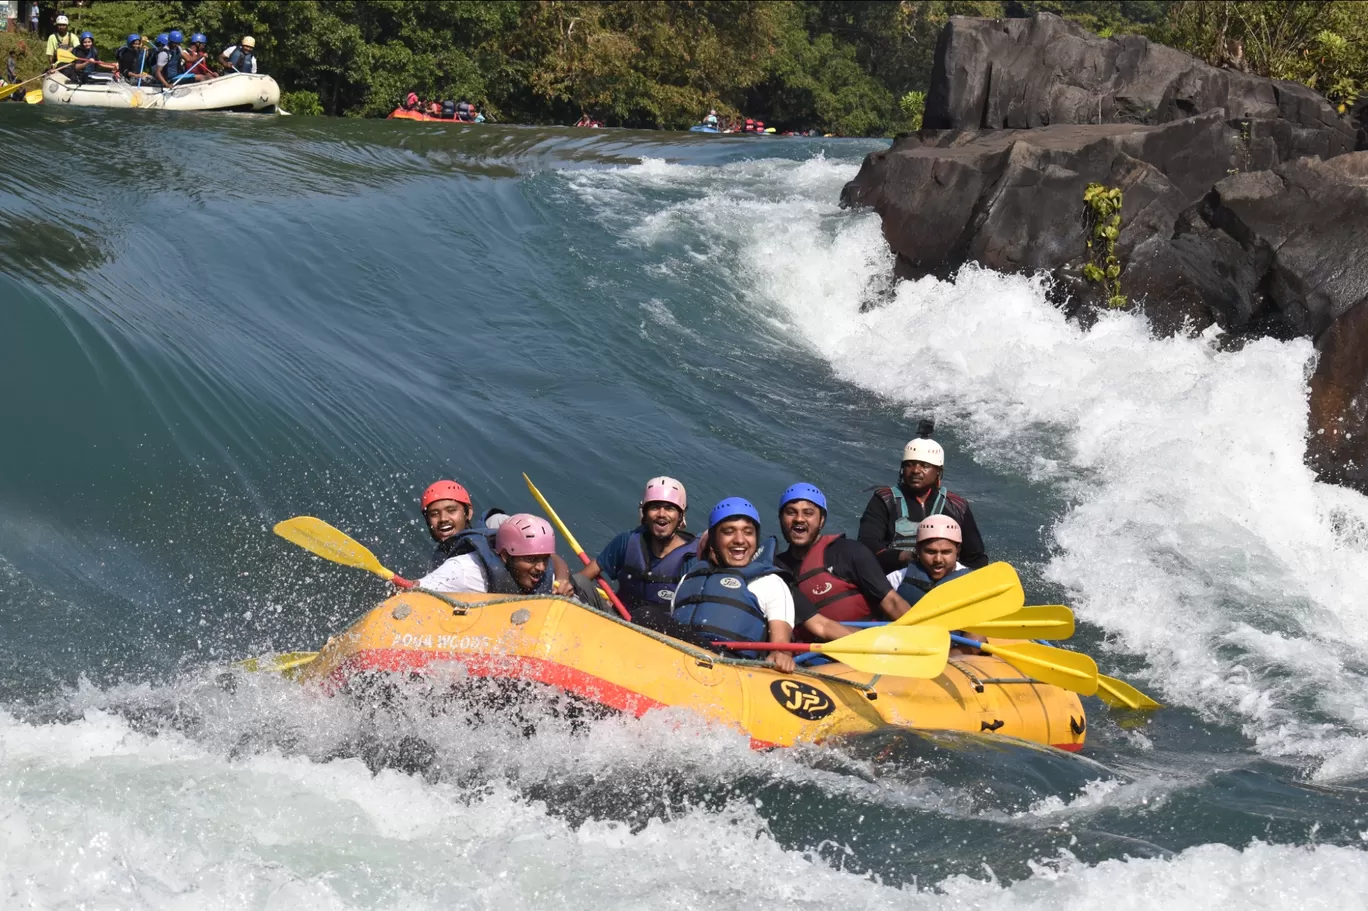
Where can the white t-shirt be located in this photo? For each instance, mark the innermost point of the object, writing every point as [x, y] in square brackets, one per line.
[228, 52]
[774, 596]
[459, 574]
[896, 577]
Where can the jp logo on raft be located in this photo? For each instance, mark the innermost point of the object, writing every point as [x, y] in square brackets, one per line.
[803, 700]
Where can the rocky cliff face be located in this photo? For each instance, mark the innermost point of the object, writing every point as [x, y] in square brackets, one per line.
[1244, 206]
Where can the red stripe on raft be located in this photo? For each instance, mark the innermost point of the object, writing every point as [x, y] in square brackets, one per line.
[535, 669]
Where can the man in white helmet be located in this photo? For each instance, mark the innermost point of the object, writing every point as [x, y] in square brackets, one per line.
[64, 39]
[889, 524]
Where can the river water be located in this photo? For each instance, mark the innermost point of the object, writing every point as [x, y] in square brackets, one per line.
[210, 323]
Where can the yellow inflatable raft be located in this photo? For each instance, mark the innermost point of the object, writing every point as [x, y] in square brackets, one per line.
[564, 645]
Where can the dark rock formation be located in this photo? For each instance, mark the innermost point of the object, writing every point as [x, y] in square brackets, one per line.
[1231, 214]
[1023, 73]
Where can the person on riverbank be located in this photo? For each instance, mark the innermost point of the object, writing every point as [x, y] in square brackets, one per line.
[63, 39]
[733, 596]
[839, 576]
[170, 59]
[648, 561]
[518, 563]
[889, 524]
[133, 61]
[241, 57]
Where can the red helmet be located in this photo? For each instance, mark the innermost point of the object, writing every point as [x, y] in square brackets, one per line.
[444, 490]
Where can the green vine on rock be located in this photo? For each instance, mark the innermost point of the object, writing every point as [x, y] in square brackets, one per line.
[1104, 219]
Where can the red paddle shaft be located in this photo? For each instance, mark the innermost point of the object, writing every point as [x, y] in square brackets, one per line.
[607, 590]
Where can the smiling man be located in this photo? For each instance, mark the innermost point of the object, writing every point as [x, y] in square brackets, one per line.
[648, 561]
[519, 563]
[839, 576]
[889, 524]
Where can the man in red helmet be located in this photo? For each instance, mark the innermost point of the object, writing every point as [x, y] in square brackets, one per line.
[447, 510]
[520, 561]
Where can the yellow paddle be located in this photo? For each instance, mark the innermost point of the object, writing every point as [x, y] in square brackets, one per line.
[13, 89]
[1120, 694]
[1056, 666]
[977, 597]
[33, 96]
[574, 545]
[318, 537]
[918, 651]
[1043, 621]
[278, 664]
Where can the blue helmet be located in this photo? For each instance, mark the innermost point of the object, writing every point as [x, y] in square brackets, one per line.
[85, 35]
[198, 38]
[163, 39]
[732, 507]
[802, 491]
[175, 37]
[134, 37]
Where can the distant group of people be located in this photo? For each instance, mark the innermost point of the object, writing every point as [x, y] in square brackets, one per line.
[728, 584]
[168, 61]
[747, 125]
[463, 111]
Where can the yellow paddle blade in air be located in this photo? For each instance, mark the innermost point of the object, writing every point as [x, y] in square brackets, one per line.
[1120, 694]
[65, 56]
[318, 537]
[982, 595]
[895, 651]
[1055, 666]
[551, 514]
[1041, 621]
[11, 89]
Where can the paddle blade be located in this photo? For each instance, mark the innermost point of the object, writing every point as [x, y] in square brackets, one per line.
[64, 56]
[10, 90]
[1120, 694]
[1056, 666]
[1042, 621]
[982, 595]
[894, 651]
[34, 96]
[278, 664]
[318, 537]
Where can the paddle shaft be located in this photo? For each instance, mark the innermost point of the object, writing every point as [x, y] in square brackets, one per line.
[575, 546]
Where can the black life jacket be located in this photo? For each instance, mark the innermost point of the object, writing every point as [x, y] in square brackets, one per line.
[717, 604]
[833, 596]
[448, 110]
[639, 583]
[460, 543]
[498, 580]
[917, 583]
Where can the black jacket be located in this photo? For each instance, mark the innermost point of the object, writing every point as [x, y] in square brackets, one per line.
[876, 527]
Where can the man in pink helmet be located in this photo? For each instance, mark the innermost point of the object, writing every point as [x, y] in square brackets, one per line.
[447, 511]
[936, 559]
[648, 561]
[519, 563]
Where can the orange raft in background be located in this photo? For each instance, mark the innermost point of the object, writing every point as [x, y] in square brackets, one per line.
[401, 114]
[564, 645]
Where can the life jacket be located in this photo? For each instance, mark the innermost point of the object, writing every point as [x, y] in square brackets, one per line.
[460, 543]
[639, 584]
[448, 110]
[242, 61]
[174, 64]
[498, 580]
[904, 527]
[68, 42]
[917, 583]
[90, 56]
[833, 596]
[465, 111]
[717, 604]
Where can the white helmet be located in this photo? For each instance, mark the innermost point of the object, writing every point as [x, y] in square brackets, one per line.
[939, 527]
[924, 450]
[63, 20]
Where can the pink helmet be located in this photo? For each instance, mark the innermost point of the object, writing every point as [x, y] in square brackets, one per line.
[933, 527]
[525, 535]
[665, 490]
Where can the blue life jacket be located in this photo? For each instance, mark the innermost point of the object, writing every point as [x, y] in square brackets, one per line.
[639, 583]
[498, 580]
[242, 61]
[716, 602]
[917, 583]
[174, 64]
[460, 543]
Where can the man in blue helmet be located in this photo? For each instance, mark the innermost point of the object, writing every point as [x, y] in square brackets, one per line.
[648, 561]
[736, 594]
[841, 577]
[135, 61]
[171, 59]
[197, 59]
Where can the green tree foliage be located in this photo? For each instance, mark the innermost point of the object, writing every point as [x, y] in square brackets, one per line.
[851, 67]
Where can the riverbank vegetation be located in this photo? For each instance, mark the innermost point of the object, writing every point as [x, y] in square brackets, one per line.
[850, 67]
